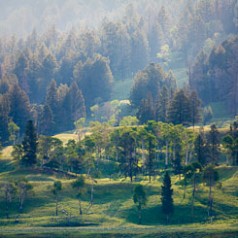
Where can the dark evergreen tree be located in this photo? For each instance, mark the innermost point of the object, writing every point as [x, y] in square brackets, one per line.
[177, 162]
[19, 106]
[230, 142]
[77, 105]
[29, 145]
[167, 197]
[128, 157]
[146, 111]
[195, 108]
[150, 161]
[162, 105]
[4, 119]
[201, 148]
[179, 110]
[148, 81]
[213, 141]
[52, 102]
[139, 51]
[34, 80]
[94, 78]
[46, 123]
[20, 71]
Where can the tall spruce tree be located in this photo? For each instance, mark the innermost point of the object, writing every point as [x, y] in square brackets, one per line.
[179, 110]
[200, 148]
[151, 147]
[230, 142]
[214, 145]
[195, 104]
[19, 106]
[166, 197]
[163, 104]
[4, 118]
[52, 101]
[29, 145]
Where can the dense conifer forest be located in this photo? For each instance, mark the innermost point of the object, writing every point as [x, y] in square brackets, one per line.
[119, 115]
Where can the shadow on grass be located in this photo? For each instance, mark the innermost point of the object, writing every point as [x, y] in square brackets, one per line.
[6, 166]
[154, 215]
[28, 208]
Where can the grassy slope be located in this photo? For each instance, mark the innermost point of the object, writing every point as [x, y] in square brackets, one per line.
[113, 212]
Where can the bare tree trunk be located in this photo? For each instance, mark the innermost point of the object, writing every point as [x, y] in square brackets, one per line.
[187, 154]
[92, 191]
[56, 206]
[184, 188]
[193, 194]
[167, 154]
[80, 208]
[210, 199]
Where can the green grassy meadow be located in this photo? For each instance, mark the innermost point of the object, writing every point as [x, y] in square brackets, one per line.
[113, 213]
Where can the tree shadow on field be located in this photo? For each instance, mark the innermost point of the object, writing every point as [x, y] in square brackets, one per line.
[154, 215]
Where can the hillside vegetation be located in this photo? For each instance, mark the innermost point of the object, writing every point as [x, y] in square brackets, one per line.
[119, 118]
[112, 212]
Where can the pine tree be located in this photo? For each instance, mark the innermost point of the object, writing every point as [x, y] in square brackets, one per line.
[214, 144]
[77, 104]
[200, 148]
[230, 142]
[19, 106]
[4, 118]
[146, 110]
[163, 104]
[29, 144]
[179, 110]
[177, 162]
[151, 139]
[166, 197]
[52, 102]
[195, 108]
[46, 123]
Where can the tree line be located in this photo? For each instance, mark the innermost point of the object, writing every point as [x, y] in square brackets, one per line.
[42, 73]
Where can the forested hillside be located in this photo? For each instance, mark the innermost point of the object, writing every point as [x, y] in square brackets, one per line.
[126, 107]
[50, 67]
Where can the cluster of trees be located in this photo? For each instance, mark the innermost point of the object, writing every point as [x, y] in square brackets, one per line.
[140, 198]
[217, 72]
[129, 150]
[14, 194]
[155, 97]
[42, 74]
[19, 190]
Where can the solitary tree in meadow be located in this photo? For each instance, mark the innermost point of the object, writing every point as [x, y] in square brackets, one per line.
[139, 199]
[210, 177]
[57, 187]
[79, 184]
[29, 145]
[23, 189]
[9, 191]
[214, 144]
